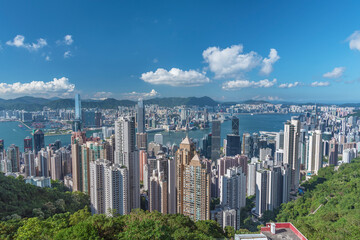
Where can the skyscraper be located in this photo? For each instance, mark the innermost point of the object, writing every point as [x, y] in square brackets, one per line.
[78, 114]
[28, 144]
[333, 152]
[183, 156]
[233, 145]
[196, 192]
[13, 155]
[39, 140]
[29, 159]
[215, 140]
[158, 192]
[126, 155]
[291, 151]
[140, 118]
[314, 152]
[108, 188]
[235, 125]
[247, 145]
[1, 145]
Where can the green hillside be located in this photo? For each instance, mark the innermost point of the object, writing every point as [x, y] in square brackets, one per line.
[137, 225]
[18, 199]
[330, 208]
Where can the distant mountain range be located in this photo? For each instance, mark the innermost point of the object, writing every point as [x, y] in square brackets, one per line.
[34, 104]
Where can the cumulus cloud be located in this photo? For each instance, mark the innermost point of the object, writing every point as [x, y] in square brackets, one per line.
[68, 40]
[175, 77]
[239, 84]
[267, 63]
[320, 84]
[67, 54]
[230, 61]
[267, 98]
[19, 41]
[354, 41]
[144, 95]
[102, 95]
[335, 73]
[289, 85]
[56, 87]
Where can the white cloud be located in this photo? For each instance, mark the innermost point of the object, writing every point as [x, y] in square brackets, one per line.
[144, 95]
[67, 54]
[175, 77]
[289, 85]
[239, 84]
[267, 98]
[267, 63]
[320, 84]
[230, 61]
[19, 41]
[56, 87]
[102, 95]
[155, 60]
[335, 73]
[354, 41]
[68, 40]
[47, 58]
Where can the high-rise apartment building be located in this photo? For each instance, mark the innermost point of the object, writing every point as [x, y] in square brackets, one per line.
[333, 152]
[108, 188]
[196, 193]
[13, 154]
[233, 188]
[126, 155]
[291, 151]
[315, 153]
[193, 183]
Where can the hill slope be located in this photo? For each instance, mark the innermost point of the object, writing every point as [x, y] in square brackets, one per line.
[336, 195]
[18, 199]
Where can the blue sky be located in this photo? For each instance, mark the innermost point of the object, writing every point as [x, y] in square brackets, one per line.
[228, 50]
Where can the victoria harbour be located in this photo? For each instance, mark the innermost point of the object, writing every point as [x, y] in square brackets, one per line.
[13, 134]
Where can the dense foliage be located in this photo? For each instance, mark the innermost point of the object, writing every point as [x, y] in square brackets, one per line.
[137, 225]
[18, 199]
[330, 207]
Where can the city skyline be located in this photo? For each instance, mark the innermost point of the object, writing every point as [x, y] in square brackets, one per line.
[260, 50]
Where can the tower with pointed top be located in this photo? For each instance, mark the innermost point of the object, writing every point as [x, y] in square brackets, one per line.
[193, 183]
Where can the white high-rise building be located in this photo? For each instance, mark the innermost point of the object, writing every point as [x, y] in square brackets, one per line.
[233, 188]
[251, 179]
[97, 186]
[315, 153]
[116, 192]
[291, 151]
[108, 188]
[126, 155]
[29, 159]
